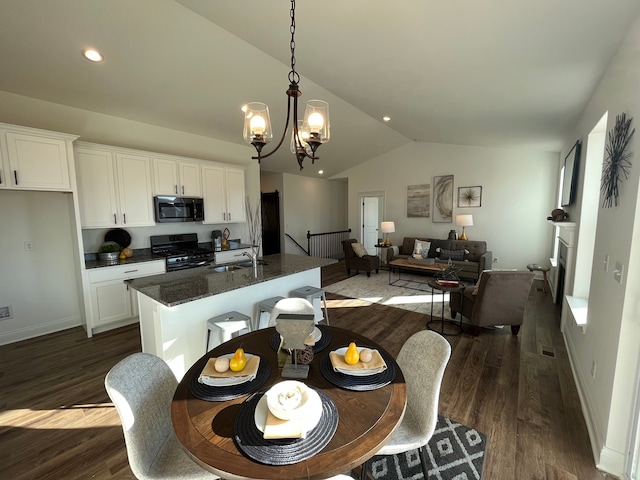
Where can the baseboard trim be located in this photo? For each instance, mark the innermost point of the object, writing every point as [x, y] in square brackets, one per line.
[605, 458]
[38, 330]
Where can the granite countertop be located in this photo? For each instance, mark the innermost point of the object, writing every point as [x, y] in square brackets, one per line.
[182, 286]
[139, 256]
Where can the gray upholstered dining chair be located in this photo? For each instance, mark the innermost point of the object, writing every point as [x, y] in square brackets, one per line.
[141, 387]
[290, 305]
[422, 360]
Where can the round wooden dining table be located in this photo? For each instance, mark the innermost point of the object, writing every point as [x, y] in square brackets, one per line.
[366, 419]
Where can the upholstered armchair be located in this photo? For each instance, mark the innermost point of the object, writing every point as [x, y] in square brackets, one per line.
[499, 298]
[366, 263]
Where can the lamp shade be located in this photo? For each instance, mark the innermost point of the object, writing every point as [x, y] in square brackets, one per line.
[464, 220]
[387, 227]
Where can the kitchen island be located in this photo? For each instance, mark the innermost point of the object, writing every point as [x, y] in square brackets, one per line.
[174, 307]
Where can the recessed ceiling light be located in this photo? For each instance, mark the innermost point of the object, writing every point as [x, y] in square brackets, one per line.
[320, 172]
[386, 118]
[93, 55]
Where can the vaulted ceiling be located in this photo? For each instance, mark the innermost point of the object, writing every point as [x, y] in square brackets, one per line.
[503, 73]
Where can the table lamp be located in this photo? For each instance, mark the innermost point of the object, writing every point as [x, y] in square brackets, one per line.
[387, 228]
[464, 221]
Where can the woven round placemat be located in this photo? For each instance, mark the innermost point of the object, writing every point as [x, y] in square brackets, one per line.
[325, 340]
[222, 394]
[359, 384]
[249, 438]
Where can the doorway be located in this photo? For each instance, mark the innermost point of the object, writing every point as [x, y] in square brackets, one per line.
[372, 213]
[270, 207]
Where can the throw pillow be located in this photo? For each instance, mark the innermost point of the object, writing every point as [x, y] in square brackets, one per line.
[358, 249]
[451, 254]
[419, 246]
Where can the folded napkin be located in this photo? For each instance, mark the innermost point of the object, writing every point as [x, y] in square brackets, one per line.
[209, 375]
[376, 363]
[276, 428]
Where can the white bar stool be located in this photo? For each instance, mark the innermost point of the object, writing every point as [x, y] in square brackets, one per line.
[222, 327]
[265, 308]
[313, 295]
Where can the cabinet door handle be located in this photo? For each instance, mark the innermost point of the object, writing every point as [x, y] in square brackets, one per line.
[175, 189]
[115, 219]
[124, 218]
[229, 214]
[15, 176]
[182, 189]
[131, 271]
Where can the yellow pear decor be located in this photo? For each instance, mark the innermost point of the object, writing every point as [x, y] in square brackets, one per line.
[238, 361]
[351, 356]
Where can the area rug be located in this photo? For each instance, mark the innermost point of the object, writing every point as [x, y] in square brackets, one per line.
[455, 452]
[410, 293]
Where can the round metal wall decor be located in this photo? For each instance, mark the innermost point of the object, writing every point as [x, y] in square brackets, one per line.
[616, 163]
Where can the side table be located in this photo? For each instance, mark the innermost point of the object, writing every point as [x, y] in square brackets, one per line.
[433, 283]
[383, 252]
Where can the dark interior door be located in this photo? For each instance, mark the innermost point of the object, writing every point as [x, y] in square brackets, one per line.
[270, 223]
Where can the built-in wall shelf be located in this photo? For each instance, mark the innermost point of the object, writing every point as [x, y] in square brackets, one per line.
[563, 224]
[578, 310]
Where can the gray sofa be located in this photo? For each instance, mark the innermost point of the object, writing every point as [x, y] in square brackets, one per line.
[473, 263]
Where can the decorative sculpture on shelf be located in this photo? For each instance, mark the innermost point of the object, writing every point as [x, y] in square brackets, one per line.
[558, 215]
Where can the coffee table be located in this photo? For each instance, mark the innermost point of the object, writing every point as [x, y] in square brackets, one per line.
[402, 264]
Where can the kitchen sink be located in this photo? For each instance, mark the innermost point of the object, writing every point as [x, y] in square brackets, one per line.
[226, 268]
[248, 263]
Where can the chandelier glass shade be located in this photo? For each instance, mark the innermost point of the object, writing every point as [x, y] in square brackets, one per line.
[307, 134]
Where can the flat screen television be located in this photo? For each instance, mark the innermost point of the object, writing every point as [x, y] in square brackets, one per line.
[570, 175]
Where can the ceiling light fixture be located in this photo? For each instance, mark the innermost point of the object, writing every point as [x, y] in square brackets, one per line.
[93, 55]
[307, 135]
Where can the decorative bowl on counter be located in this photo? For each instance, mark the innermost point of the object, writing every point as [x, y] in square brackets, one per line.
[109, 256]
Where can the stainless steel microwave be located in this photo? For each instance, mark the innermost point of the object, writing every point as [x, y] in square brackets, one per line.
[178, 209]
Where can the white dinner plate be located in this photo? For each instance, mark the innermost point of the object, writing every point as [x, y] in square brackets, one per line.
[310, 420]
[363, 372]
[227, 381]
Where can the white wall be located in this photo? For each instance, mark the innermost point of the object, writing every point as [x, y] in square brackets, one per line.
[40, 285]
[518, 191]
[613, 330]
[313, 204]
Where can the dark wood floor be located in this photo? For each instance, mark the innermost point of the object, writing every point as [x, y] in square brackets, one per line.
[56, 421]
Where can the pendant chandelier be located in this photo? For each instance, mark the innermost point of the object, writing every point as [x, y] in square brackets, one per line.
[307, 134]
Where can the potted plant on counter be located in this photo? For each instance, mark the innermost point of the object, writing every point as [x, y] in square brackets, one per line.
[109, 252]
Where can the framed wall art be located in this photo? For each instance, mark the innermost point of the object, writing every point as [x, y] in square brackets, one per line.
[418, 200]
[443, 199]
[469, 197]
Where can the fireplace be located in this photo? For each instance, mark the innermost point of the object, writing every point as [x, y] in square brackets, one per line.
[562, 270]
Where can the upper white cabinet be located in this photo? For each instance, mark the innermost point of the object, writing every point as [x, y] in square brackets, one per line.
[223, 194]
[33, 159]
[175, 177]
[114, 187]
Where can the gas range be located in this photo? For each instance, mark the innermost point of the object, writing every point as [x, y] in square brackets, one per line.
[181, 251]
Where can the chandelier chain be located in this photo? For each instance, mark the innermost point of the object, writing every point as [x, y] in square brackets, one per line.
[293, 75]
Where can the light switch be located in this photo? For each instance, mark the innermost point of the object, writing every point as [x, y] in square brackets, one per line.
[618, 272]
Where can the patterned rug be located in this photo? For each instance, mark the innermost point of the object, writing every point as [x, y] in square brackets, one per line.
[455, 452]
[410, 293]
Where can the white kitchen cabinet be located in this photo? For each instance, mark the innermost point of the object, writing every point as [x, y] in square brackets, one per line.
[33, 159]
[223, 194]
[114, 188]
[112, 303]
[171, 177]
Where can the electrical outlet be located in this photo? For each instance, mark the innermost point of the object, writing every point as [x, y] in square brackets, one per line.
[593, 368]
[28, 246]
[495, 259]
[5, 313]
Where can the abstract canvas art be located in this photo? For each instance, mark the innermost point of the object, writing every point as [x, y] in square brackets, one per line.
[443, 199]
[418, 200]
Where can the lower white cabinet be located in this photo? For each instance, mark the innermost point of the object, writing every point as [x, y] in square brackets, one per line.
[112, 303]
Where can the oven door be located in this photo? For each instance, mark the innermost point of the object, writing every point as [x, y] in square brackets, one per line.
[178, 209]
